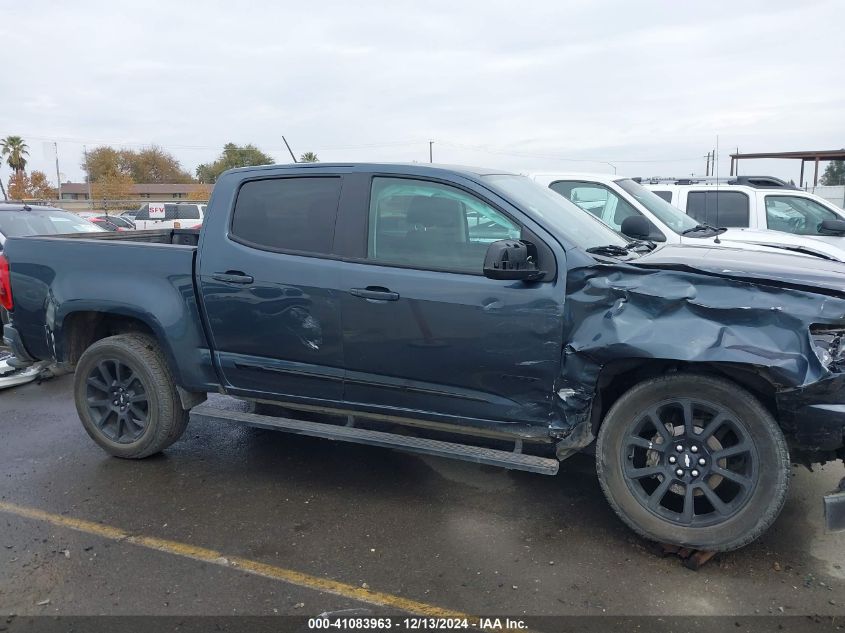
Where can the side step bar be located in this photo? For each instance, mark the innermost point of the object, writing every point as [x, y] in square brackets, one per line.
[232, 410]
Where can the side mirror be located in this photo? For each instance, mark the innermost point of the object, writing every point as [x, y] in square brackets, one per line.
[636, 227]
[512, 259]
[832, 227]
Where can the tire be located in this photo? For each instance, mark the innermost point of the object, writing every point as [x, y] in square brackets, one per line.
[149, 416]
[744, 455]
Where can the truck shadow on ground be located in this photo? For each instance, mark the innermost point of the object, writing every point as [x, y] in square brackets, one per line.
[271, 478]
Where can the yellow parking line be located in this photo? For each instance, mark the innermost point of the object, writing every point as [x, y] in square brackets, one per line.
[256, 568]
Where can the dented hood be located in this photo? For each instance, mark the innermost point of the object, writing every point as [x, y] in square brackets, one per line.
[773, 269]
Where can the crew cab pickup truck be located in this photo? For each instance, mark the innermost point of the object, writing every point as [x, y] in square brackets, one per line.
[459, 312]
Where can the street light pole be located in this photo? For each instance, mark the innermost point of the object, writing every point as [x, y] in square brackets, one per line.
[430, 152]
[88, 177]
[58, 176]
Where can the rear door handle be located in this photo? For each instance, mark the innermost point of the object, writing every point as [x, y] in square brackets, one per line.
[233, 277]
[376, 293]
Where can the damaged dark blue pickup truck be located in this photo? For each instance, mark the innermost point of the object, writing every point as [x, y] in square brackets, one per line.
[457, 312]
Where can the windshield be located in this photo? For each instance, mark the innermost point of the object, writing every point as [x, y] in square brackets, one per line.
[671, 216]
[560, 215]
[24, 223]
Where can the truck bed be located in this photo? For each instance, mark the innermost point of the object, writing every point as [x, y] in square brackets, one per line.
[59, 282]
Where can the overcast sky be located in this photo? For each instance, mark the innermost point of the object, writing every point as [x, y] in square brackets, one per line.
[518, 85]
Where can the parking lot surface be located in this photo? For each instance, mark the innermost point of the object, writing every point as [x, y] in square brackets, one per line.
[452, 535]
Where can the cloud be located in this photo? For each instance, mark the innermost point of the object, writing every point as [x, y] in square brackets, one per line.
[519, 86]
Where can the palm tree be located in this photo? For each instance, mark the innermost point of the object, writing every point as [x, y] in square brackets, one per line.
[309, 157]
[15, 149]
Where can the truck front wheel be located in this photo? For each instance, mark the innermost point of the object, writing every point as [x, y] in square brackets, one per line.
[693, 460]
[126, 397]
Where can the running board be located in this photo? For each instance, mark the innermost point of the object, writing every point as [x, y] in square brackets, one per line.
[231, 410]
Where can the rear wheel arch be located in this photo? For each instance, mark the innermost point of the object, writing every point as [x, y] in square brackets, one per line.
[81, 329]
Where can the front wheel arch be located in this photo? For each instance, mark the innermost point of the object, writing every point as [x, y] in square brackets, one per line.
[617, 377]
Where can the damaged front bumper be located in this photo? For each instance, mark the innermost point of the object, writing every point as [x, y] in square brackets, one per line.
[813, 416]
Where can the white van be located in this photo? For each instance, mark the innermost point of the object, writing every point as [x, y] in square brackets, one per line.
[613, 199]
[167, 215]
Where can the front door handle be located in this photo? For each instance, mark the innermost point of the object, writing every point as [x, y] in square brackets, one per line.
[376, 293]
[233, 277]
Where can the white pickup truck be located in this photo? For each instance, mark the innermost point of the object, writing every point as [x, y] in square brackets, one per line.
[753, 202]
[614, 199]
[167, 215]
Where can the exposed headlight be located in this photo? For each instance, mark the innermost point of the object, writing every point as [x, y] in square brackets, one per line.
[829, 343]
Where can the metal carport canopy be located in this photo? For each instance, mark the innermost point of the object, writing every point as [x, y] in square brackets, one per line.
[815, 156]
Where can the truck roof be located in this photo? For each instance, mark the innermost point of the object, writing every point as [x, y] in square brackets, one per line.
[414, 168]
[579, 175]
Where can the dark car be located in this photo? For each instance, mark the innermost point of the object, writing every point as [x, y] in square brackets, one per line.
[458, 312]
[18, 220]
[108, 222]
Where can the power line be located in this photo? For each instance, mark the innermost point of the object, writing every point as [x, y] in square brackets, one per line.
[479, 148]
[607, 161]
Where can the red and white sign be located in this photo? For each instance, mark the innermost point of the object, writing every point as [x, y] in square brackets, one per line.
[156, 210]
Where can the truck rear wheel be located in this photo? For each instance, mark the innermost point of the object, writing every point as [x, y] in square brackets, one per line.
[126, 397]
[693, 460]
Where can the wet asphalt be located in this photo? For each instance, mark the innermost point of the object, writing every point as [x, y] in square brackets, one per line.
[460, 536]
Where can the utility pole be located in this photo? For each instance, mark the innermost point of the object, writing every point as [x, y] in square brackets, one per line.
[290, 151]
[88, 177]
[707, 165]
[3, 189]
[430, 151]
[58, 176]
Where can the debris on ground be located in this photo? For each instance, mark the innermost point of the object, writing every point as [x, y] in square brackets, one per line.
[12, 376]
[691, 558]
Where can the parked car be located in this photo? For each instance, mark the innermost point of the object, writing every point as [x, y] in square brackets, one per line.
[120, 222]
[107, 222]
[629, 208]
[166, 215]
[758, 204]
[369, 298]
[17, 220]
[130, 214]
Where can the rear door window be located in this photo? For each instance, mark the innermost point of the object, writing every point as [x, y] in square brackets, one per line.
[719, 208]
[287, 214]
